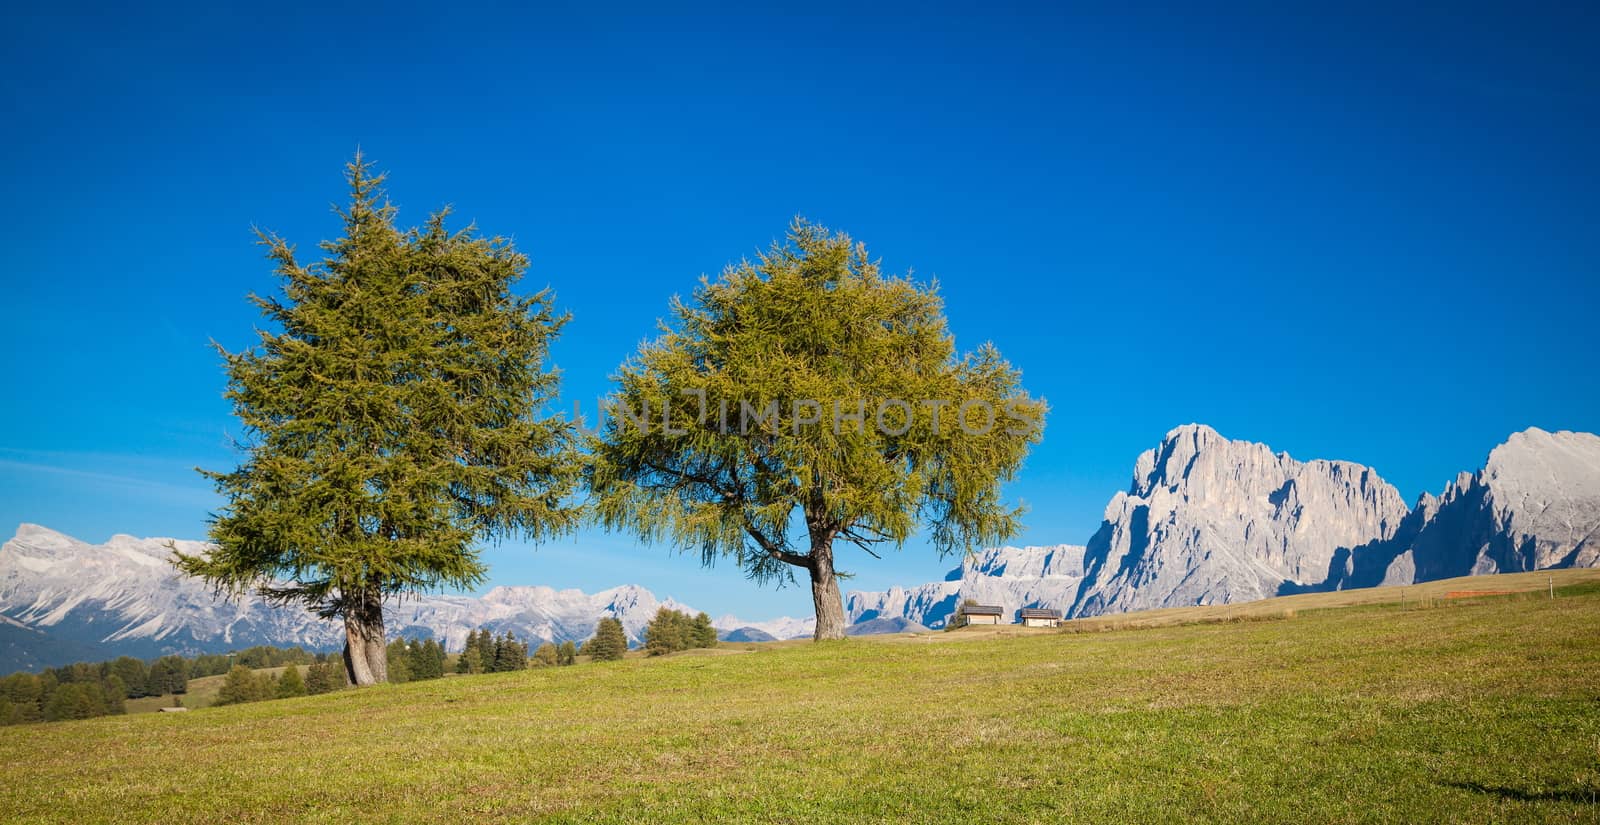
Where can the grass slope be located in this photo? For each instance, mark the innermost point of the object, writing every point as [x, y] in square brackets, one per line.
[1466, 710]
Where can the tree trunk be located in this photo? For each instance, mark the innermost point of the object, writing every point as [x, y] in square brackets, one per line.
[825, 592]
[365, 652]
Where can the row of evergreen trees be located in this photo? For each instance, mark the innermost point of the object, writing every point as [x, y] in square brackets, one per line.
[82, 690]
[410, 660]
[85, 689]
[243, 684]
[28, 697]
[258, 658]
[554, 655]
[673, 630]
[487, 653]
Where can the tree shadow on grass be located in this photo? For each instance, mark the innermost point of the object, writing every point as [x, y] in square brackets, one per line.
[1581, 796]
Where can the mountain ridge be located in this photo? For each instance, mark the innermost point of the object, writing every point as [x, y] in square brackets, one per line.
[1209, 520]
[1204, 520]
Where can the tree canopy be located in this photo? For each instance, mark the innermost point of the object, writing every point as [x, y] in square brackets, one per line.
[609, 642]
[806, 398]
[396, 410]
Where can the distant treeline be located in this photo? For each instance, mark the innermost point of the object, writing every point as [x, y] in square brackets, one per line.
[85, 689]
[324, 675]
[82, 690]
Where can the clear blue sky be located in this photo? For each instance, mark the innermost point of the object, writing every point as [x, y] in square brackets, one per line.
[1364, 236]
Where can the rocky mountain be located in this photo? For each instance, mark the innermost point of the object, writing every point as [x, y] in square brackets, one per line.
[65, 600]
[1205, 520]
[1012, 577]
[1535, 504]
[1208, 520]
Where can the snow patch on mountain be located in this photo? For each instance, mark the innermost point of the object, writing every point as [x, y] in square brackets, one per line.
[780, 628]
[125, 596]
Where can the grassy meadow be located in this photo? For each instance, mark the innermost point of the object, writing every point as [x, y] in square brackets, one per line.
[1466, 709]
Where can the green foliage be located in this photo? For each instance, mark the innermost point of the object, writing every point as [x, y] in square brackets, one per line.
[701, 633]
[1467, 713]
[509, 654]
[26, 693]
[666, 633]
[242, 685]
[290, 684]
[396, 413]
[812, 321]
[671, 631]
[323, 677]
[609, 643]
[546, 655]
[115, 692]
[168, 674]
[426, 659]
[75, 700]
[399, 661]
[567, 653]
[471, 659]
[134, 674]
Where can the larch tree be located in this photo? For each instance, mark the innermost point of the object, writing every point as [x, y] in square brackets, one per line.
[804, 400]
[701, 631]
[290, 684]
[609, 643]
[397, 410]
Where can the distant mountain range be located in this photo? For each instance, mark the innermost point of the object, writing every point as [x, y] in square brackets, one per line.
[64, 600]
[1206, 520]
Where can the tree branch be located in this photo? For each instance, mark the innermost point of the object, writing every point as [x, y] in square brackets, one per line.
[776, 550]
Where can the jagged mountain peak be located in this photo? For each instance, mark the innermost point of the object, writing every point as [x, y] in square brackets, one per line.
[1211, 520]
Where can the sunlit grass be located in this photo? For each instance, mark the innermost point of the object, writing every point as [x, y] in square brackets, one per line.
[1483, 709]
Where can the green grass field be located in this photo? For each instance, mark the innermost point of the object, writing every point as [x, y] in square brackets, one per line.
[1481, 709]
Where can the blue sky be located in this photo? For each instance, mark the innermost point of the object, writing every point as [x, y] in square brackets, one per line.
[1367, 236]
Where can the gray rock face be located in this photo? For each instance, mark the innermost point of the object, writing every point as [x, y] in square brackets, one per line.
[1212, 521]
[1012, 577]
[1534, 505]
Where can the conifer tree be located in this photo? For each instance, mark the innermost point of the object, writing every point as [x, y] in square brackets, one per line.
[509, 654]
[430, 660]
[115, 692]
[546, 655]
[609, 642]
[75, 700]
[134, 674]
[468, 661]
[701, 633]
[169, 674]
[668, 632]
[290, 684]
[397, 410]
[397, 658]
[322, 678]
[567, 653]
[241, 685]
[864, 423]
